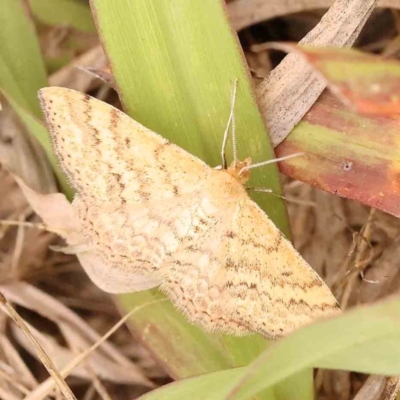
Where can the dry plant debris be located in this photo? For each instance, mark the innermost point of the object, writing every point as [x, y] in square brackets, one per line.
[59, 330]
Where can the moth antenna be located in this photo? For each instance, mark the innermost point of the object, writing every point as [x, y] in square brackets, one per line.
[274, 160]
[231, 122]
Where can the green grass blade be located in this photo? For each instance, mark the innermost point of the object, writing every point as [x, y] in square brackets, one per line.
[182, 348]
[22, 70]
[22, 74]
[193, 388]
[175, 63]
[216, 383]
[365, 340]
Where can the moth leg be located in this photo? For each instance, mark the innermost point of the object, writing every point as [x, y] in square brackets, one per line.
[286, 198]
[73, 249]
[261, 189]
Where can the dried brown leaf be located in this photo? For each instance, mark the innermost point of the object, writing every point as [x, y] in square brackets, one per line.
[55, 210]
[6, 395]
[104, 74]
[44, 358]
[107, 361]
[62, 356]
[73, 77]
[290, 90]
[372, 388]
[244, 13]
[21, 153]
[392, 388]
[45, 387]
[17, 364]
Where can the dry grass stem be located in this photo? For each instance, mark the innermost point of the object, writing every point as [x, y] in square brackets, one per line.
[52, 370]
[47, 386]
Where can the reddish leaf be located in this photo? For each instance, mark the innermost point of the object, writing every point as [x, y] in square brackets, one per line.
[366, 83]
[357, 157]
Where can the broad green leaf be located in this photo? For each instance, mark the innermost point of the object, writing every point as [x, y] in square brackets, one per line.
[213, 387]
[174, 64]
[182, 348]
[22, 74]
[75, 13]
[22, 71]
[370, 84]
[209, 386]
[365, 340]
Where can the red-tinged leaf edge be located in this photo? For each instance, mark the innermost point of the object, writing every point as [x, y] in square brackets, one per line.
[356, 157]
[353, 155]
[365, 83]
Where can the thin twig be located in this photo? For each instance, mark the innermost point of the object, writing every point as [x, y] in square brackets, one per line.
[44, 358]
[360, 261]
[19, 245]
[289, 199]
[46, 387]
[37, 225]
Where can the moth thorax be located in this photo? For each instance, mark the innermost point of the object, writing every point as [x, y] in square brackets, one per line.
[236, 170]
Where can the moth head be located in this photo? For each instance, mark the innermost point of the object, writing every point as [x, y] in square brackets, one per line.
[239, 170]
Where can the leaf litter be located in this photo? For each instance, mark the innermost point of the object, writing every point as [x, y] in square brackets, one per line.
[35, 262]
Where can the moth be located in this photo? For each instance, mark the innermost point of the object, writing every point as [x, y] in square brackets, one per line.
[149, 214]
